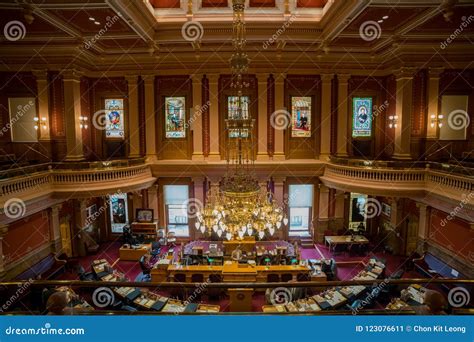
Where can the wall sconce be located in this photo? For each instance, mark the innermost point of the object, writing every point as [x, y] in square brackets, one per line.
[393, 121]
[436, 119]
[83, 122]
[39, 122]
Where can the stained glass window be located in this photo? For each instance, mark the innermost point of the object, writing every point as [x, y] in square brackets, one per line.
[175, 112]
[233, 103]
[362, 117]
[114, 120]
[300, 116]
[118, 212]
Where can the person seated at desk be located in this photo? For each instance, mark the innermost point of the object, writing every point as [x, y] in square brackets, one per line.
[434, 303]
[236, 254]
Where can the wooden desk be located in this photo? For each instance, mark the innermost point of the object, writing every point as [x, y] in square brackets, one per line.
[234, 272]
[245, 246]
[133, 254]
[294, 270]
[188, 271]
[332, 241]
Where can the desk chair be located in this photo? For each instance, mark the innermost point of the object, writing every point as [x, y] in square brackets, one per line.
[85, 276]
[286, 277]
[171, 239]
[273, 278]
[155, 248]
[211, 292]
[178, 291]
[197, 278]
[161, 235]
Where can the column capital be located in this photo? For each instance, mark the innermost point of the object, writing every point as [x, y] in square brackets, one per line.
[153, 188]
[40, 74]
[3, 230]
[198, 179]
[279, 180]
[263, 77]
[280, 77]
[55, 209]
[327, 77]
[343, 78]
[196, 77]
[404, 73]
[435, 73]
[72, 75]
[421, 206]
[131, 78]
[148, 78]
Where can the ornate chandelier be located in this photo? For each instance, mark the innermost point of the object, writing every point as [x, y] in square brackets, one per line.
[240, 207]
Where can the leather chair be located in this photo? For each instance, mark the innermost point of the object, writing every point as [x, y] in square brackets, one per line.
[273, 278]
[171, 239]
[214, 293]
[286, 277]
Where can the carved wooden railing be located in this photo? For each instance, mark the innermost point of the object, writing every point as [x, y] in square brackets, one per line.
[442, 183]
[55, 179]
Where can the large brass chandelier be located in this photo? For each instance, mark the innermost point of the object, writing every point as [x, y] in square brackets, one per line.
[240, 207]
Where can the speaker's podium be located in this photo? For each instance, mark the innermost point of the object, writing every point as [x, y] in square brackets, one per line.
[240, 298]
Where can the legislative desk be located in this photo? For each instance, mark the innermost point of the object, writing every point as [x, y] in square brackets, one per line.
[134, 252]
[332, 241]
[232, 272]
[247, 246]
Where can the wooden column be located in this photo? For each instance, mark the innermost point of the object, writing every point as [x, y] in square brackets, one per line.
[262, 139]
[196, 118]
[342, 115]
[43, 104]
[404, 108]
[424, 221]
[433, 97]
[152, 193]
[323, 215]
[55, 233]
[326, 116]
[214, 117]
[279, 153]
[72, 112]
[133, 117]
[3, 232]
[278, 193]
[150, 122]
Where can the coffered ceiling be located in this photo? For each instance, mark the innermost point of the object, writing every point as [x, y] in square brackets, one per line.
[117, 35]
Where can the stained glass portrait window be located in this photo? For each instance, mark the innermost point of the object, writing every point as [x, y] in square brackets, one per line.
[234, 105]
[300, 117]
[118, 212]
[114, 118]
[175, 115]
[362, 117]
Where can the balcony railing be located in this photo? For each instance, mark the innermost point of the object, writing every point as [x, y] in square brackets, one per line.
[57, 177]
